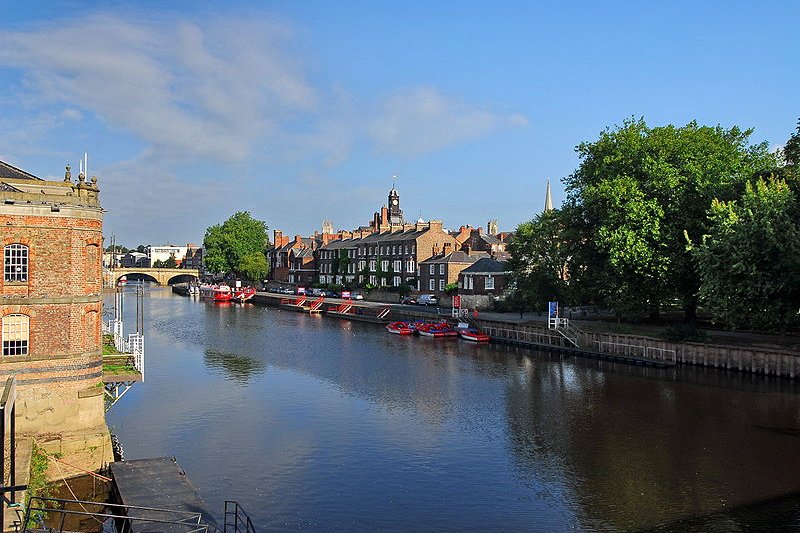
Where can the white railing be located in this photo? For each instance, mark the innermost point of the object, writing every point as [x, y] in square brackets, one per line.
[663, 354]
[569, 331]
[136, 345]
[619, 348]
[638, 350]
[132, 345]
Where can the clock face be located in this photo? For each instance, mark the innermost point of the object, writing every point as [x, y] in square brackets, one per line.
[394, 202]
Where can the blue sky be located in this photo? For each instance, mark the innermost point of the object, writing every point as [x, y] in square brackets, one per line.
[300, 111]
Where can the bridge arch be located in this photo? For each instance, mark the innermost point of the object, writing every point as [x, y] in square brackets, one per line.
[133, 276]
[162, 276]
[181, 278]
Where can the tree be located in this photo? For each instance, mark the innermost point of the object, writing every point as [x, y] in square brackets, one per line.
[749, 263]
[539, 256]
[170, 262]
[638, 190]
[233, 246]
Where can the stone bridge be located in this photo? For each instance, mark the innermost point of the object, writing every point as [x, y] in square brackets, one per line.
[162, 276]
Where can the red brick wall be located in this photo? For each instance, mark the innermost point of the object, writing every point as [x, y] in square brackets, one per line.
[62, 298]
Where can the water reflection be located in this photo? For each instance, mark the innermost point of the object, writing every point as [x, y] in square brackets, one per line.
[236, 367]
[642, 452]
[357, 430]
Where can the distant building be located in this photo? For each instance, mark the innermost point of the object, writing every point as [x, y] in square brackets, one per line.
[164, 252]
[483, 282]
[193, 257]
[436, 272]
[134, 260]
[52, 309]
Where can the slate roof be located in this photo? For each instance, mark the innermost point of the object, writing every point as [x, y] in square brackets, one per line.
[8, 188]
[9, 171]
[303, 252]
[454, 257]
[486, 264]
[339, 244]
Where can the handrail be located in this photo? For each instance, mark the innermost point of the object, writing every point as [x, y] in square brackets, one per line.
[190, 521]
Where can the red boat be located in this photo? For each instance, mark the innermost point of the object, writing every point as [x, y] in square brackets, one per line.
[243, 294]
[442, 329]
[222, 293]
[473, 335]
[218, 293]
[400, 328]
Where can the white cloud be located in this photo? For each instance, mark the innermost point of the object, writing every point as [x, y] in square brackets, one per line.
[183, 88]
[422, 119]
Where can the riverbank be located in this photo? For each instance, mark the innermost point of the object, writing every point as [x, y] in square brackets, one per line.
[593, 340]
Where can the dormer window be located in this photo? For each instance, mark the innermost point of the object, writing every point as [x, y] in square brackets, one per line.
[15, 261]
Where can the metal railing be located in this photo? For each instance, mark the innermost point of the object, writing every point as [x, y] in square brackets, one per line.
[61, 513]
[133, 344]
[638, 350]
[236, 519]
[568, 330]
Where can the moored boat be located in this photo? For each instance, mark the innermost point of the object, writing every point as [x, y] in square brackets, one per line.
[223, 293]
[400, 328]
[473, 335]
[218, 293]
[243, 294]
[441, 329]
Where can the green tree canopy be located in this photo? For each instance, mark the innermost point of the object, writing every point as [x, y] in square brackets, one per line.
[749, 263]
[235, 246]
[637, 191]
[539, 256]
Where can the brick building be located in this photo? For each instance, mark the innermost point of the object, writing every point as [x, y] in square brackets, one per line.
[52, 309]
[483, 282]
[441, 270]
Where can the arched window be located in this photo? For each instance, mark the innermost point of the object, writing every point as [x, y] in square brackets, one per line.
[16, 331]
[15, 261]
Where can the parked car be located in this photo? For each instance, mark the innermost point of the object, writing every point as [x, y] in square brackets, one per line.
[408, 300]
[427, 299]
[356, 296]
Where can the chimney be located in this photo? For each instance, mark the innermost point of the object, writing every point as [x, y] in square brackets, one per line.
[421, 226]
[298, 239]
[435, 225]
[384, 216]
[277, 238]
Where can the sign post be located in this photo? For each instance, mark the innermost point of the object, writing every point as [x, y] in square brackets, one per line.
[552, 315]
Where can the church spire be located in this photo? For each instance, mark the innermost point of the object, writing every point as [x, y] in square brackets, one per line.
[548, 199]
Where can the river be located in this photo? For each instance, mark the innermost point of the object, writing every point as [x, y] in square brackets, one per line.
[319, 424]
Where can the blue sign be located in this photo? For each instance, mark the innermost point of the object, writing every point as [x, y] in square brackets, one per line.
[553, 309]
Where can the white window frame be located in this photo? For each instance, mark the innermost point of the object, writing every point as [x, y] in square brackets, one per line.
[488, 283]
[432, 284]
[441, 268]
[441, 285]
[16, 335]
[433, 269]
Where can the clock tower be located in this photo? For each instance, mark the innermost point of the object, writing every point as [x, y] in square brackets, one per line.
[395, 213]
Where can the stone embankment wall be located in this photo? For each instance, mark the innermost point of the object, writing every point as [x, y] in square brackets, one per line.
[772, 362]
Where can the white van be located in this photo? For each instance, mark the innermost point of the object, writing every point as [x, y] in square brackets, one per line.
[427, 299]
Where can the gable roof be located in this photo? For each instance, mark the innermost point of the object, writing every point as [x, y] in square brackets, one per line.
[486, 264]
[9, 171]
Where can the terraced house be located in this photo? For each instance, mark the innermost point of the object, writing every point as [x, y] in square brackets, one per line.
[384, 259]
